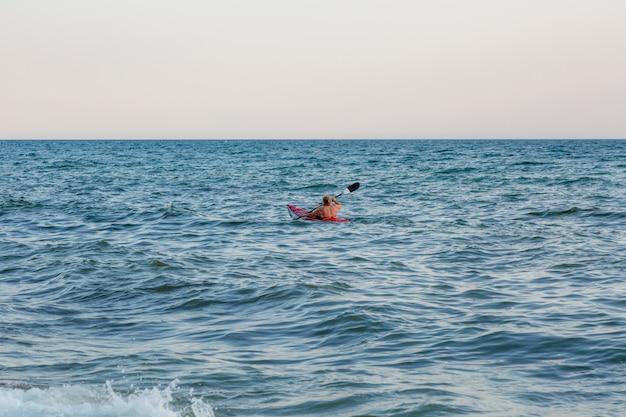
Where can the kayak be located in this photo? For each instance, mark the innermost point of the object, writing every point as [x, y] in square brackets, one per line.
[297, 212]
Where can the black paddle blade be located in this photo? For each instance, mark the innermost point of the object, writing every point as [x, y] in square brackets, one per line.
[354, 187]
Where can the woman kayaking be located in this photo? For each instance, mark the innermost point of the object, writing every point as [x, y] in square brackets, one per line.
[328, 210]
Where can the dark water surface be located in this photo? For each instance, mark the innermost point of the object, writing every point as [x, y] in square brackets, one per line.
[165, 278]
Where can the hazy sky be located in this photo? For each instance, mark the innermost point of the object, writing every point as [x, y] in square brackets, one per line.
[313, 69]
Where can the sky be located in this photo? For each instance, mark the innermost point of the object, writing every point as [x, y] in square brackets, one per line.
[303, 69]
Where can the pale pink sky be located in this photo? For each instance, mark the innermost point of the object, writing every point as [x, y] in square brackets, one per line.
[313, 69]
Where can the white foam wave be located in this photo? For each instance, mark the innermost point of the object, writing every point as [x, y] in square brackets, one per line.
[96, 401]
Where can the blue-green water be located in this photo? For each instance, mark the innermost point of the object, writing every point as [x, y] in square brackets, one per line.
[166, 278]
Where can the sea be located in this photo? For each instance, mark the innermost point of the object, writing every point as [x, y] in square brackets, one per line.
[144, 278]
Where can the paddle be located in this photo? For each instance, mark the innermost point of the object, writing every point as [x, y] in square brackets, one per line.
[351, 188]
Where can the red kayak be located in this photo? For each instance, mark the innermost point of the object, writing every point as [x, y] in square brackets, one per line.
[300, 213]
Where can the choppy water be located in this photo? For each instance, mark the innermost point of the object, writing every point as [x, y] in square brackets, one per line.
[149, 278]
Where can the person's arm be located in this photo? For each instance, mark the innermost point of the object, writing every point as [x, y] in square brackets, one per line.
[315, 212]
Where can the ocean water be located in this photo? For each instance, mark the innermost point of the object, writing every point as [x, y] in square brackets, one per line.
[166, 278]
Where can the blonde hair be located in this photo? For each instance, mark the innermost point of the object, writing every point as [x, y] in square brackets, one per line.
[326, 200]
